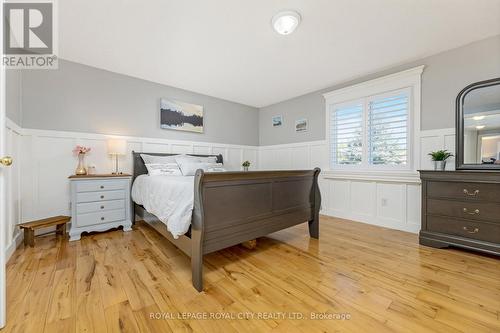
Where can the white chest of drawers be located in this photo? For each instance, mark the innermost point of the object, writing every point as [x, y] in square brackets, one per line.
[99, 203]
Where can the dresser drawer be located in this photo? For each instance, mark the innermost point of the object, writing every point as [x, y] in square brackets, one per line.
[99, 196]
[101, 185]
[488, 232]
[466, 191]
[91, 207]
[83, 220]
[486, 211]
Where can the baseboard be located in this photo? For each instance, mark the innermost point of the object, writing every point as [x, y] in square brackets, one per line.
[376, 221]
[9, 251]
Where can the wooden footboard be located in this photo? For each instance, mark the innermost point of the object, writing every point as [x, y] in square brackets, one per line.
[234, 207]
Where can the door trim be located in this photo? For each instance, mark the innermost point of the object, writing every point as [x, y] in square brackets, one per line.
[3, 216]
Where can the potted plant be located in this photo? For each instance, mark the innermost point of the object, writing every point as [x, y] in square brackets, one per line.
[439, 157]
[246, 165]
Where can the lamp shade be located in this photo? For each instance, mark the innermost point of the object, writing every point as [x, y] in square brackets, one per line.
[117, 147]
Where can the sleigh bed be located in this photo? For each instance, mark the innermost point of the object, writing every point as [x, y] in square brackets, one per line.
[234, 207]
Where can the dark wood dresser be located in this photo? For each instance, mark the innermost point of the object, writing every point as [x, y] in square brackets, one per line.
[461, 208]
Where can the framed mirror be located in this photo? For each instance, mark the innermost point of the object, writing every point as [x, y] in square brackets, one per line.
[478, 126]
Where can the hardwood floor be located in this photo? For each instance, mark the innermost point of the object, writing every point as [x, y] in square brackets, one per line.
[381, 279]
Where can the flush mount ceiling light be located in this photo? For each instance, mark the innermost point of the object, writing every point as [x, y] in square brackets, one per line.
[478, 117]
[286, 22]
[480, 127]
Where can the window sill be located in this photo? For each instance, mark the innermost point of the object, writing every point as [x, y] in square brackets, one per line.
[408, 177]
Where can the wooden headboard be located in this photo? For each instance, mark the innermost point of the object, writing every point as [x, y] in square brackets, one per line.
[140, 167]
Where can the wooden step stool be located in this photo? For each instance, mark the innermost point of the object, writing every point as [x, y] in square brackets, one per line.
[30, 227]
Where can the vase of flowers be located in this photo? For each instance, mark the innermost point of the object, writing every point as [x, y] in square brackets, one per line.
[80, 151]
[246, 165]
[439, 157]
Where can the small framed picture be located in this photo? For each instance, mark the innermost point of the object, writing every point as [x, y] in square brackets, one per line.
[277, 121]
[301, 125]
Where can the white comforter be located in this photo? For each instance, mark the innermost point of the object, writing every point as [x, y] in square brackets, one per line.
[170, 198]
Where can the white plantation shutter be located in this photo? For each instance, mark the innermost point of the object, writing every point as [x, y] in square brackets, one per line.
[373, 126]
[372, 132]
[388, 130]
[346, 134]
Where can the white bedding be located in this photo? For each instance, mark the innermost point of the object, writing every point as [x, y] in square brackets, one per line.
[170, 198]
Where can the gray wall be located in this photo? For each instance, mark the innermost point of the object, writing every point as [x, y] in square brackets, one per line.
[444, 76]
[85, 99]
[81, 98]
[13, 95]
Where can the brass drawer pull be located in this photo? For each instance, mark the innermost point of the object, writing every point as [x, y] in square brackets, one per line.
[473, 194]
[475, 231]
[475, 212]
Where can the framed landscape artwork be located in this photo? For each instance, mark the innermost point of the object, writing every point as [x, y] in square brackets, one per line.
[181, 116]
[301, 125]
[277, 121]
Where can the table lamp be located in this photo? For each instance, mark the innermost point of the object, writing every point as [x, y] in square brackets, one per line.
[117, 147]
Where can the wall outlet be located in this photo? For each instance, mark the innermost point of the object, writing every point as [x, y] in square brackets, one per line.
[384, 202]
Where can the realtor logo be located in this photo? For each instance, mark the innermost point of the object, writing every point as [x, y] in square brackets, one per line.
[29, 34]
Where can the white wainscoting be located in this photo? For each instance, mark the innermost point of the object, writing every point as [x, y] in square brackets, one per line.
[48, 161]
[37, 184]
[432, 140]
[303, 155]
[391, 201]
[13, 187]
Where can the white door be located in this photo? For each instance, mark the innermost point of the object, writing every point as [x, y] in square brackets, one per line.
[3, 217]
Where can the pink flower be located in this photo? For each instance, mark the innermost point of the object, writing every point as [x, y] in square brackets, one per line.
[81, 150]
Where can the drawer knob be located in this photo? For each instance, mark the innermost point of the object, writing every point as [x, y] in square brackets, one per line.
[102, 207]
[102, 218]
[102, 186]
[473, 231]
[475, 212]
[473, 194]
[102, 196]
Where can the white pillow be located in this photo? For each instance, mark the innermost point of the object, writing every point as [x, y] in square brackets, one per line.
[165, 169]
[188, 158]
[209, 159]
[215, 167]
[152, 159]
[189, 168]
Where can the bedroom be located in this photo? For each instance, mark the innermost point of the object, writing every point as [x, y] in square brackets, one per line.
[255, 166]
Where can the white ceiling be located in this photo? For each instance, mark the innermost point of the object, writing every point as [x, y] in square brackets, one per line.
[227, 48]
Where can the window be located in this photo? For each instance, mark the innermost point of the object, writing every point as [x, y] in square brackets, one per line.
[347, 134]
[374, 125]
[371, 131]
[388, 130]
